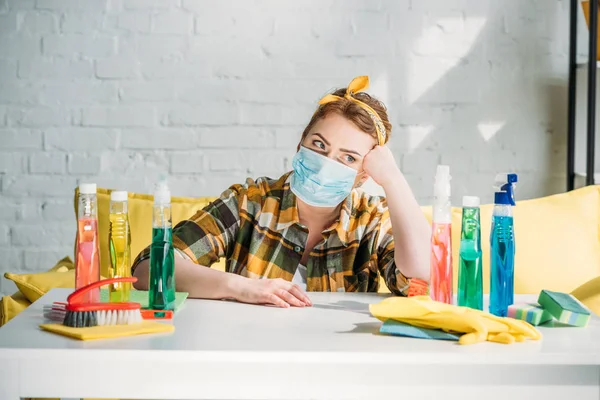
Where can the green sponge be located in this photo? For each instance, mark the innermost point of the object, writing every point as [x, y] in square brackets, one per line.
[565, 308]
[532, 313]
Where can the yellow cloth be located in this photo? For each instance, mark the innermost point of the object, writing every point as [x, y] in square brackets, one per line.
[107, 332]
[476, 326]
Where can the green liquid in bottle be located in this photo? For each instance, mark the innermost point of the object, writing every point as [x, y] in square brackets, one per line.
[162, 270]
[470, 283]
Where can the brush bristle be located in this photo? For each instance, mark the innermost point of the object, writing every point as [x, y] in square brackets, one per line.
[54, 312]
[83, 319]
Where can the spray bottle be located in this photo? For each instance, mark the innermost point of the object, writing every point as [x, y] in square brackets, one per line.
[470, 282]
[120, 246]
[162, 260]
[441, 239]
[87, 254]
[502, 246]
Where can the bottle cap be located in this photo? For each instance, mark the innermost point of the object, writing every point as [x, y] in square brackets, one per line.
[441, 187]
[87, 188]
[118, 195]
[471, 201]
[162, 194]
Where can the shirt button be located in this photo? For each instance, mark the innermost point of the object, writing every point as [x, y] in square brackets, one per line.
[297, 249]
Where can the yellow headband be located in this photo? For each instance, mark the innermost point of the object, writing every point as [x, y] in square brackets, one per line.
[359, 84]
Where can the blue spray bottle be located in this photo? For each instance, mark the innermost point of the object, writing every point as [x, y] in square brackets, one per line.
[502, 246]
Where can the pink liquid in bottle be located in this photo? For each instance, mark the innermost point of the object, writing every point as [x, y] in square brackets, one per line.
[441, 263]
[87, 264]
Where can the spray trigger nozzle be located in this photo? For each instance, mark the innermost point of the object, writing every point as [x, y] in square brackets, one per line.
[505, 188]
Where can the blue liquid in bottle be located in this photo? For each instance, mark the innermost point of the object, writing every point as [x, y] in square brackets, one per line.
[502, 246]
[502, 258]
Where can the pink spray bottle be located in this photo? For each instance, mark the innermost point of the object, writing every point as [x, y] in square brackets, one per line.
[441, 239]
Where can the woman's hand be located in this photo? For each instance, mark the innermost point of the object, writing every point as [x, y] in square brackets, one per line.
[277, 292]
[380, 165]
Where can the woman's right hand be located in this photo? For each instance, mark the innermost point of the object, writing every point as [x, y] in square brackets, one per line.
[277, 292]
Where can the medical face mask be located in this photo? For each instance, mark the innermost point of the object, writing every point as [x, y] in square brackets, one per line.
[320, 181]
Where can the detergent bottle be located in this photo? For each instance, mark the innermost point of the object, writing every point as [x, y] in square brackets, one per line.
[162, 259]
[119, 242]
[502, 246]
[87, 250]
[441, 239]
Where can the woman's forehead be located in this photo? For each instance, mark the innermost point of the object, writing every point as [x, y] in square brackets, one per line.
[340, 132]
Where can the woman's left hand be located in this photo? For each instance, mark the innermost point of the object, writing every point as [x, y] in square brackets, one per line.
[380, 165]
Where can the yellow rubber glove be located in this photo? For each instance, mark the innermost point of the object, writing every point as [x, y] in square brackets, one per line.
[475, 325]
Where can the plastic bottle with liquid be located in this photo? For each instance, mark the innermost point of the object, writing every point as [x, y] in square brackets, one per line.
[470, 281]
[87, 254]
[162, 260]
[502, 246]
[120, 246]
[441, 239]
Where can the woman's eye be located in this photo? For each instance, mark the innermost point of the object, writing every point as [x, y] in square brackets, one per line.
[349, 159]
[319, 144]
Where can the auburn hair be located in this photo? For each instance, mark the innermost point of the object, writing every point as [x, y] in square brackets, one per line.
[353, 112]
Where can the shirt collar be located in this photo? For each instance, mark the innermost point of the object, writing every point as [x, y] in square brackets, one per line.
[288, 205]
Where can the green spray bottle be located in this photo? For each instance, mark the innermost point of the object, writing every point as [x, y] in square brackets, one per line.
[162, 260]
[470, 282]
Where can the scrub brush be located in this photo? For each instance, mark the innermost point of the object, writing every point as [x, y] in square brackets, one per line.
[76, 313]
[80, 314]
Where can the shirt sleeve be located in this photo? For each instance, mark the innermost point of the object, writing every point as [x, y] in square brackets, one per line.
[209, 234]
[396, 282]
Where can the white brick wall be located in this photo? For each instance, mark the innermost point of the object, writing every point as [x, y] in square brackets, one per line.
[120, 92]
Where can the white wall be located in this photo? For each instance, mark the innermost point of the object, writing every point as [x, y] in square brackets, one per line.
[119, 92]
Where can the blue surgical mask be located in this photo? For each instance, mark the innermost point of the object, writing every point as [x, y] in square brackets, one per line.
[320, 181]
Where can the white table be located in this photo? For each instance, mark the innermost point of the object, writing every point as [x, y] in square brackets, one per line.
[227, 350]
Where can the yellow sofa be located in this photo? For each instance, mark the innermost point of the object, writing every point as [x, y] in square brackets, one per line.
[557, 237]
[557, 245]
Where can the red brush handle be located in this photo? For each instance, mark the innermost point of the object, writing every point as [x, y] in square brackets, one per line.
[104, 306]
[77, 296]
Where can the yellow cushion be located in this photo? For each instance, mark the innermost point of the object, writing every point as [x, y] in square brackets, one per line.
[10, 306]
[35, 285]
[140, 220]
[557, 242]
[589, 294]
[557, 245]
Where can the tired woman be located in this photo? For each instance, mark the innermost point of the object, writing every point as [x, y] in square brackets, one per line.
[314, 228]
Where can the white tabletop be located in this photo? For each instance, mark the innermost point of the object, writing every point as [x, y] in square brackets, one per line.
[246, 350]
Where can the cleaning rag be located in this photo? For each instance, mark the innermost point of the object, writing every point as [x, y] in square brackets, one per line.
[474, 326]
[108, 332]
[398, 328]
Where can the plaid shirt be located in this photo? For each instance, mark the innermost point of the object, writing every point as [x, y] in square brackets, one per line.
[255, 226]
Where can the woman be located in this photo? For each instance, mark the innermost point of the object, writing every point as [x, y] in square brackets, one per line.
[313, 229]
